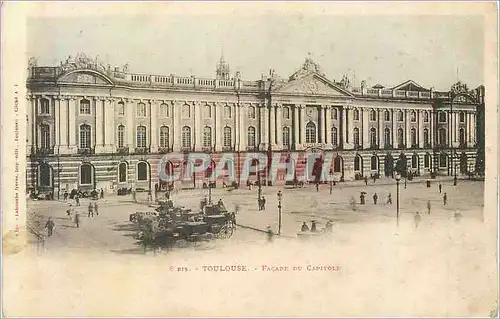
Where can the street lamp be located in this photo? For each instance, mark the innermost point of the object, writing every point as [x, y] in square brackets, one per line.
[398, 178]
[209, 194]
[331, 181]
[280, 196]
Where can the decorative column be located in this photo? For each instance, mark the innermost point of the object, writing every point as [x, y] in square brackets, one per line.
[474, 127]
[198, 128]
[177, 134]
[456, 116]
[365, 128]
[72, 147]
[279, 127]
[110, 130]
[407, 129]
[241, 136]
[395, 142]
[263, 137]
[302, 124]
[153, 117]
[432, 128]
[99, 125]
[218, 108]
[320, 135]
[30, 117]
[57, 124]
[345, 132]
[272, 126]
[420, 129]
[380, 132]
[328, 125]
[130, 130]
[296, 129]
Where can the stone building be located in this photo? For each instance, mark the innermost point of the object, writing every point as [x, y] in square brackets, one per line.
[93, 126]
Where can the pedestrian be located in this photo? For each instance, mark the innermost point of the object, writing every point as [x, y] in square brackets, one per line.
[77, 219]
[69, 211]
[455, 181]
[317, 187]
[270, 234]
[362, 198]
[102, 193]
[91, 209]
[263, 203]
[259, 202]
[134, 196]
[374, 178]
[440, 188]
[389, 199]
[65, 195]
[445, 199]
[375, 198]
[96, 209]
[366, 180]
[304, 227]
[77, 200]
[313, 226]
[50, 225]
[428, 207]
[417, 219]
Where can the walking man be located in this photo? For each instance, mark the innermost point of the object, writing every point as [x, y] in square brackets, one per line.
[389, 199]
[134, 196]
[375, 198]
[440, 188]
[96, 209]
[263, 203]
[366, 180]
[362, 198]
[102, 193]
[69, 211]
[317, 187]
[50, 225]
[77, 219]
[417, 219]
[77, 200]
[91, 209]
[445, 199]
[428, 207]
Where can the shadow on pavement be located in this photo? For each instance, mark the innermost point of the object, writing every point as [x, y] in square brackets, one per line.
[125, 227]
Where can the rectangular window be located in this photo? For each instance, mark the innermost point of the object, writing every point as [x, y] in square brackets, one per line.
[85, 107]
[141, 137]
[44, 107]
[442, 117]
[141, 110]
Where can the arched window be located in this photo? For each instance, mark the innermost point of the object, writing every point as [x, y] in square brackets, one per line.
[251, 112]
[413, 137]
[286, 113]
[164, 136]
[356, 114]
[86, 174]
[44, 175]
[426, 137]
[121, 136]
[227, 112]
[121, 108]
[186, 111]
[373, 137]
[426, 116]
[462, 137]
[374, 163]
[228, 138]
[334, 134]
[356, 136]
[187, 169]
[164, 110]
[207, 110]
[85, 134]
[251, 136]
[84, 107]
[443, 159]
[400, 138]
[442, 136]
[462, 117]
[334, 113]
[122, 173]
[337, 164]
[427, 160]
[310, 133]
[142, 171]
[414, 161]
[387, 137]
[442, 117]
[141, 110]
[44, 107]
[286, 136]
[413, 116]
[357, 163]
[387, 115]
[45, 136]
[207, 136]
[186, 136]
[373, 115]
[400, 116]
[141, 136]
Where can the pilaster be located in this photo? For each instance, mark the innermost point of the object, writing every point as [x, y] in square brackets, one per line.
[73, 130]
[328, 126]
[365, 128]
[217, 133]
[109, 123]
[420, 129]
[176, 136]
[296, 128]
[99, 125]
[279, 127]
[153, 116]
[130, 111]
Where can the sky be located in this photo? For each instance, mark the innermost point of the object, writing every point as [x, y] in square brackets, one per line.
[434, 51]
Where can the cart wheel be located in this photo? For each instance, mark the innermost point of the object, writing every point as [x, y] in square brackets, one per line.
[182, 243]
[225, 232]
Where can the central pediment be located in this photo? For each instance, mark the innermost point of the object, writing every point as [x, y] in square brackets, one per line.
[313, 84]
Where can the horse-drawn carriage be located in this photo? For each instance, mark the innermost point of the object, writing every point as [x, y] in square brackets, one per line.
[171, 225]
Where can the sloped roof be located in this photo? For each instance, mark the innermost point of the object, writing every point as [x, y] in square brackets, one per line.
[410, 85]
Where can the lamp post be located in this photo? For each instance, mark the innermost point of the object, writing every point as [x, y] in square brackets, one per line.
[331, 181]
[398, 178]
[280, 196]
[259, 194]
[209, 194]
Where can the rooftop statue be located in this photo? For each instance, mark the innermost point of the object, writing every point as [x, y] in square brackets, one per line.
[82, 61]
[307, 68]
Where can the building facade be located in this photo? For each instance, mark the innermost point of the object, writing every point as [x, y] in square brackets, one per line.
[93, 126]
